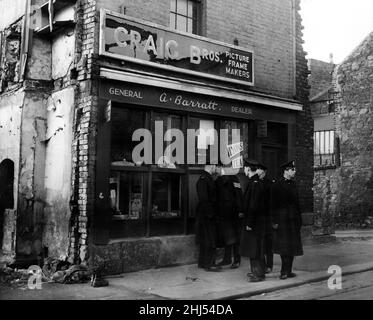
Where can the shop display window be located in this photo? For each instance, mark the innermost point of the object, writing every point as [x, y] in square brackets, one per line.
[124, 122]
[166, 197]
[160, 198]
[126, 195]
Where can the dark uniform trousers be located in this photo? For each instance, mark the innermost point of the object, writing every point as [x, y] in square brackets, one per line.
[268, 247]
[286, 264]
[258, 263]
[235, 249]
[207, 256]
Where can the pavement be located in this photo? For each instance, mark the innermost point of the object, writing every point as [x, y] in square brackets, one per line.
[352, 251]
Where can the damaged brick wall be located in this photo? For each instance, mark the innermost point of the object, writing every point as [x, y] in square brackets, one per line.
[10, 56]
[85, 119]
[304, 122]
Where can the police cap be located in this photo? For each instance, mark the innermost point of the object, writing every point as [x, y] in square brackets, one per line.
[288, 165]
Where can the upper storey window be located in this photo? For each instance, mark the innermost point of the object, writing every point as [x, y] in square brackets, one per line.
[185, 15]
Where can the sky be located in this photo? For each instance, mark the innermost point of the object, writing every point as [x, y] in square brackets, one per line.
[335, 26]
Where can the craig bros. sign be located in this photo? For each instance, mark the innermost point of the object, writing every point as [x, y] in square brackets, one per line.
[138, 41]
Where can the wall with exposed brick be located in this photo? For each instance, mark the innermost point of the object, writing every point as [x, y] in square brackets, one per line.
[354, 125]
[84, 132]
[304, 123]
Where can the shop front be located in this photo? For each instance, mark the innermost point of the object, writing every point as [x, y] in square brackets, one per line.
[155, 133]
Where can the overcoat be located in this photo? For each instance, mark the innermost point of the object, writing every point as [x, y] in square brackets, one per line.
[285, 212]
[229, 197]
[206, 212]
[252, 242]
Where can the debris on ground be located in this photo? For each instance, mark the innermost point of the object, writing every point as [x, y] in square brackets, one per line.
[56, 271]
[192, 279]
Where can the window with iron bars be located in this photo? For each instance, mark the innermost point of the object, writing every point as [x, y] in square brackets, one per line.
[325, 149]
[185, 15]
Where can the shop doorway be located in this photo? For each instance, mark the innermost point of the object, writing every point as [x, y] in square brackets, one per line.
[6, 192]
[272, 157]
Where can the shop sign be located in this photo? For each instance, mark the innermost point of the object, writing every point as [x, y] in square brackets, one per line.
[175, 100]
[138, 41]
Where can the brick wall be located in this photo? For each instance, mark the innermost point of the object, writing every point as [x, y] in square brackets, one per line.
[304, 126]
[84, 151]
[266, 27]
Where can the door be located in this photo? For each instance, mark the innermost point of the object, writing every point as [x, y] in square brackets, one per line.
[271, 159]
[6, 192]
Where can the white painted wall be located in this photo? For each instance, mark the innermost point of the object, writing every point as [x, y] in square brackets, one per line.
[58, 166]
[10, 133]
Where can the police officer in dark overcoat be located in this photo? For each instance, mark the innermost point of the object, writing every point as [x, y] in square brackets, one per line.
[268, 238]
[206, 219]
[252, 239]
[287, 219]
[230, 211]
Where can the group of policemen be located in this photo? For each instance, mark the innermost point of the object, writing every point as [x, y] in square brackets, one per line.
[252, 217]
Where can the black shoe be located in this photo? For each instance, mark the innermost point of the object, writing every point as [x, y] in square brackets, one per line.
[291, 275]
[249, 275]
[283, 277]
[224, 263]
[235, 265]
[269, 270]
[213, 269]
[255, 279]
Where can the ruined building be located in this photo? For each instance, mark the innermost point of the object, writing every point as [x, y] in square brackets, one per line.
[341, 102]
[79, 78]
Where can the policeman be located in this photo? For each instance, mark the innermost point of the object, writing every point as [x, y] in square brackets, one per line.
[206, 234]
[268, 238]
[252, 239]
[230, 211]
[287, 219]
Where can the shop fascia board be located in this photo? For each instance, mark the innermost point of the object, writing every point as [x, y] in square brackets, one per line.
[193, 87]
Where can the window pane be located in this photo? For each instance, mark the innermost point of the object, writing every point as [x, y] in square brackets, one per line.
[327, 142]
[126, 195]
[123, 123]
[172, 21]
[169, 122]
[166, 212]
[127, 204]
[191, 8]
[317, 149]
[190, 26]
[182, 7]
[181, 23]
[173, 5]
[331, 141]
[322, 142]
[166, 195]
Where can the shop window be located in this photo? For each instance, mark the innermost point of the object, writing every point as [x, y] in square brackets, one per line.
[243, 129]
[324, 148]
[124, 122]
[168, 142]
[206, 143]
[184, 15]
[166, 204]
